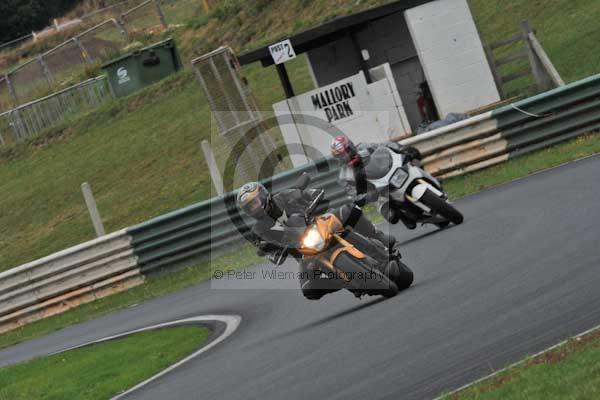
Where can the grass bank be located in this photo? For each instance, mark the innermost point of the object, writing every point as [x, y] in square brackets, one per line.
[141, 154]
[100, 371]
[570, 371]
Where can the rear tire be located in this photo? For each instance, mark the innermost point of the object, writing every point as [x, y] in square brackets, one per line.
[405, 278]
[442, 207]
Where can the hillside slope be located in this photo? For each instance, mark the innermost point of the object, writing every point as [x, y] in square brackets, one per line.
[141, 154]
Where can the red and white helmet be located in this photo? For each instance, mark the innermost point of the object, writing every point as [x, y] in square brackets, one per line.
[344, 150]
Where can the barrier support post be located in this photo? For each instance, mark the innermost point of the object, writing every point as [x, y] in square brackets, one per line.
[90, 202]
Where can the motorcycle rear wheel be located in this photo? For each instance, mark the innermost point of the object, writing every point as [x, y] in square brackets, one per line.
[379, 284]
[405, 276]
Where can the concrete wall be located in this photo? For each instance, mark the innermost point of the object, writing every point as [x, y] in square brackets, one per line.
[452, 55]
[388, 40]
[367, 113]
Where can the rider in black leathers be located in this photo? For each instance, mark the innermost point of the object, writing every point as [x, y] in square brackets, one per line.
[354, 159]
[272, 211]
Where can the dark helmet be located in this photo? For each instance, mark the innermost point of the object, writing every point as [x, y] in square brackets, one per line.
[344, 150]
[252, 199]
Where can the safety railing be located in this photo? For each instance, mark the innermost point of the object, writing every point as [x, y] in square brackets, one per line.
[31, 118]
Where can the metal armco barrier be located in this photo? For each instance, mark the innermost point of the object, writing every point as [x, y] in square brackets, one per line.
[117, 261]
[66, 279]
[513, 130]
[196, 230]
[463, 147]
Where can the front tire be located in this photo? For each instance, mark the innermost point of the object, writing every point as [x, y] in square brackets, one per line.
[442, 207]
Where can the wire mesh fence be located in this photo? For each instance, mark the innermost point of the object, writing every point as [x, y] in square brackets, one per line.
[31, 118]
[103, 41]
[80, 23]
[243, 149]
[65, 60]
[11, 44]
[30, 81]
[113, 11]
[6, 100]
[180, 11]
[144, 18]
[5, 128]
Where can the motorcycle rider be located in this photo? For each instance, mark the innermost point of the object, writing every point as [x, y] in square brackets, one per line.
[271, 211]
[354, 159]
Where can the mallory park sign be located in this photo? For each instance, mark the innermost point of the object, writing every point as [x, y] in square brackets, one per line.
[335, 101]
[365, 112]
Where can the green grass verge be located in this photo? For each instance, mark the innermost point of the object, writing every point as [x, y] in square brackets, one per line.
[100, 371]
[163, 283]
[570, 371]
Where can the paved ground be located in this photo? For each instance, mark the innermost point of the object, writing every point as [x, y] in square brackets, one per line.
[521, 274]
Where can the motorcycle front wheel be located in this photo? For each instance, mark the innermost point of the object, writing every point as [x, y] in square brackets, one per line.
[442, 207]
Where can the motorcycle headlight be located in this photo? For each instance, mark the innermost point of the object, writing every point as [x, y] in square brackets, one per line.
[313, 240]
[399, 178]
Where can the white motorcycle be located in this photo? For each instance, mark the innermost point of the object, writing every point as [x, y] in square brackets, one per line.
[411, 194]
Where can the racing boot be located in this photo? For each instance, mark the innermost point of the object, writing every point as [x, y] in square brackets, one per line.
[393, 216]
[313, 286]
[388, 241]
[408, 222]
[392, 271]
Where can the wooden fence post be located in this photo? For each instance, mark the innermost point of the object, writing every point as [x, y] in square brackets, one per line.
[545, 61]
[489, 54]
[539, 73]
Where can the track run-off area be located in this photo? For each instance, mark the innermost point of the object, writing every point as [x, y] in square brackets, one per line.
[521, 274]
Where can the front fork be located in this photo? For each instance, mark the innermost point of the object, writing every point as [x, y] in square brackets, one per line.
[419, 190]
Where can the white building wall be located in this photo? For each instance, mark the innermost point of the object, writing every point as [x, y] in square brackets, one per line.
[377, 115]
[452, 55]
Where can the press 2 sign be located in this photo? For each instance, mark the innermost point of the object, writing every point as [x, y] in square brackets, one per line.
[282, 51]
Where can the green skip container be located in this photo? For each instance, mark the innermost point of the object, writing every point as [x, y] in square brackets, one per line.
[134, 71]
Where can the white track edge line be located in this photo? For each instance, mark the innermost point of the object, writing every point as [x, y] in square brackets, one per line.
[232, 322]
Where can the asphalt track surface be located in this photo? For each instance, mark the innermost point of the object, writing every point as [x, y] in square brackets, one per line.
[522, 273]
